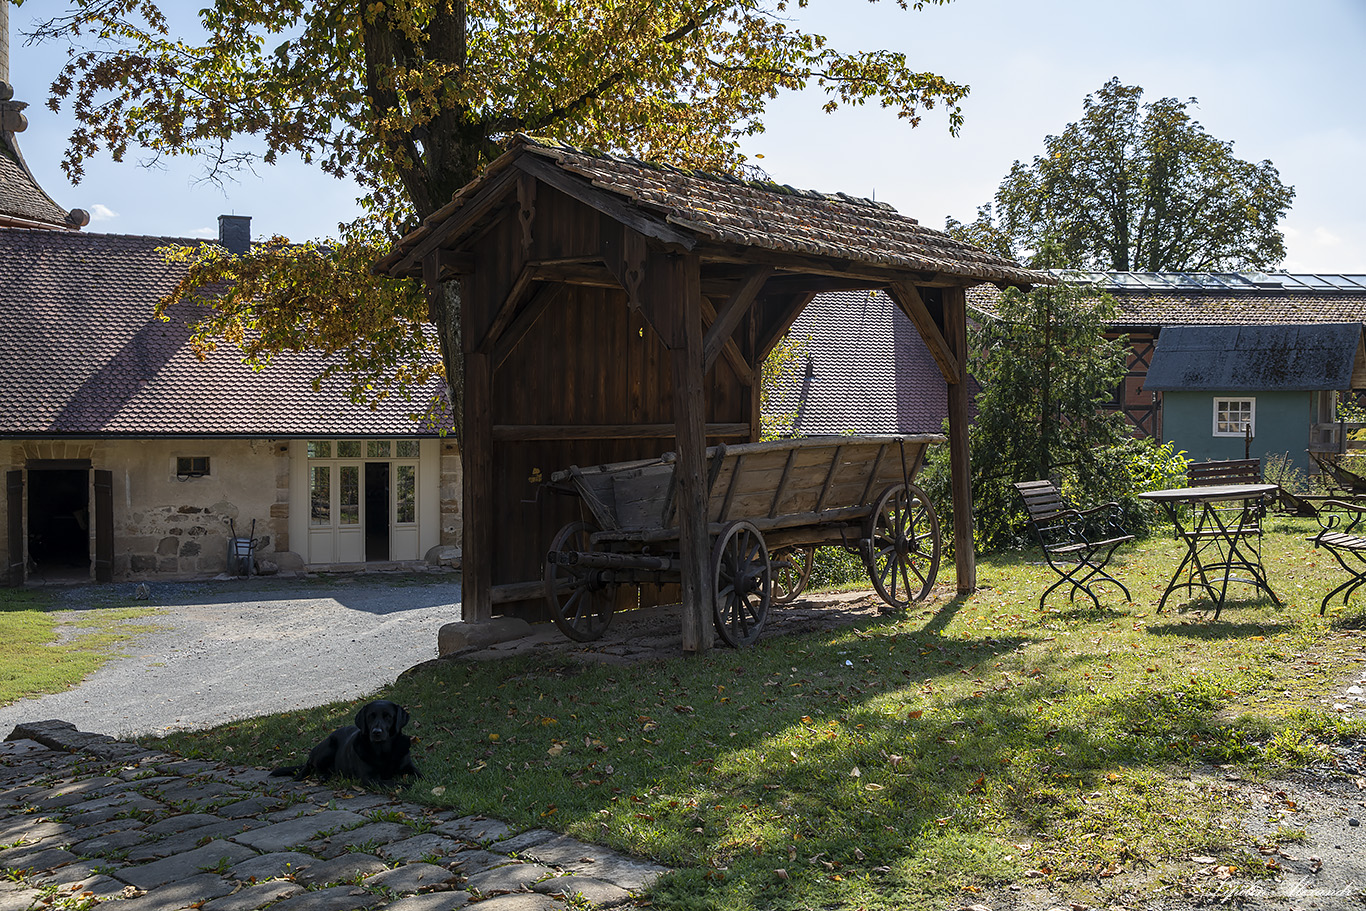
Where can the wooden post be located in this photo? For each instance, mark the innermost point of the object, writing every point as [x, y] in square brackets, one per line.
[680, 278]
[956, 337]
[476, 454]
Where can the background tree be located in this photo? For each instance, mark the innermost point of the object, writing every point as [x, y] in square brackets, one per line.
[411, 98]
[1046, 371]
[1133, 187]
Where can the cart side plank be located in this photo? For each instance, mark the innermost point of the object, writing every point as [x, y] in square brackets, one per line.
[775, 485]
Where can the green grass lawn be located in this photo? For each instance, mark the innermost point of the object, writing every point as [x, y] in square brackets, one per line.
[905, 763]
[47, 652]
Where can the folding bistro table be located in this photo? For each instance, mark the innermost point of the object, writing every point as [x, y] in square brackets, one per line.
[1222, 535]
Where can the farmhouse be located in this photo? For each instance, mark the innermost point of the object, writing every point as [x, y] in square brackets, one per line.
[126, 457]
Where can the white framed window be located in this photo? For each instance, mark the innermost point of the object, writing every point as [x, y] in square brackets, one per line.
[1235, 417]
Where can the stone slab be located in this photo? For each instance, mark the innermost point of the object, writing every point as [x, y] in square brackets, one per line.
[412, 878]
[341, 869]
[290, 833]
[183, 866]
[429, 901]
[253, 897]
[594, 891]
[337, 898]
[182, 893]
[272, 866]
[510, 878]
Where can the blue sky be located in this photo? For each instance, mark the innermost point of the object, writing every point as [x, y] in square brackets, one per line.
[1282, 81]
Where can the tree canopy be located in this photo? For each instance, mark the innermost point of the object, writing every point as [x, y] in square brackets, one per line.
[1136, 187]
[411, 98]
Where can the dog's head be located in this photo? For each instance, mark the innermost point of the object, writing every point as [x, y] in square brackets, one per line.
[381, 720]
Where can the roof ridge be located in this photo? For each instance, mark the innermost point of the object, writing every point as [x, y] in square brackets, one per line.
[535, 143]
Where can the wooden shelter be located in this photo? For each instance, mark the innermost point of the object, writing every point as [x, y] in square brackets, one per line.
[614, 309]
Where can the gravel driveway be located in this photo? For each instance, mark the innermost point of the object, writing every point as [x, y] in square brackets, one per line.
[239, 648]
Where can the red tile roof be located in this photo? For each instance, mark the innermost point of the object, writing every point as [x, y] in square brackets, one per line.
[861, 367]
[81, 354]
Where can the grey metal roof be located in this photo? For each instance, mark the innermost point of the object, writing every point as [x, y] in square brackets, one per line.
[1218, 281]
[1252, 358]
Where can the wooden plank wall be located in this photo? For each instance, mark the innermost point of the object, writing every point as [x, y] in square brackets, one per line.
[588, 360]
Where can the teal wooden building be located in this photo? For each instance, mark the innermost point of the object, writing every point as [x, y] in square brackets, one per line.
[1255, 391]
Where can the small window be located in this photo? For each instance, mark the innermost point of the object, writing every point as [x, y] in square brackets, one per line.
[348, 449]
[409, 449]
[319, 449]
[1235, 417]
[191, 466]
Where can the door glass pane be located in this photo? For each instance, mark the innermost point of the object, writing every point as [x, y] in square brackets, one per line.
[320, 495]
[348, 449]
[408, 449]
[405, 493]
[348, 506]
[377, 449]
[319, 449]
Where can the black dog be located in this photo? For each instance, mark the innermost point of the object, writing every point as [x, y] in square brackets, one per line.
[371, 750]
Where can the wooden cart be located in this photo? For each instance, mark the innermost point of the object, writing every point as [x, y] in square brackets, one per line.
[769, 506]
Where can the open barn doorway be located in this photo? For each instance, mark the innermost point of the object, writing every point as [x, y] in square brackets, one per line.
[59, 524]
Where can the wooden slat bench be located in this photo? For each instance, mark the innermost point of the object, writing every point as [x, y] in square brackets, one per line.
[1342, 536]
[1077, 543]
[1228, 471]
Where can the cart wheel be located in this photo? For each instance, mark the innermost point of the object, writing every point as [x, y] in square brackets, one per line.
[791, 570]
[743, 578]
[901, 550]
[580, 599]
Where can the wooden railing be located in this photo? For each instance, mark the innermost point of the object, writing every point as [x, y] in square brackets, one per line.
[1334, 436]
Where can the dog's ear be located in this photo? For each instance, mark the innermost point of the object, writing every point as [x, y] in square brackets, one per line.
[360, 716]
[401, 718]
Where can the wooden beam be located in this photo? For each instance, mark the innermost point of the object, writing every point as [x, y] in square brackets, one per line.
[477, 508]
[910, 302]
[489, 197]
[780, 327]
[605, 202]
[675, 282]
[541, 299]
[725, 321]
[728, 347]
[959, 402]
[507, 309]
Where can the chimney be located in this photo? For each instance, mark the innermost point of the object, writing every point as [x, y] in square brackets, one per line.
[234, 233]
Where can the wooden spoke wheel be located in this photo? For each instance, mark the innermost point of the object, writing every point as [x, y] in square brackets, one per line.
[742, 576]
[581, 598]
[791, 571]
[902, 544]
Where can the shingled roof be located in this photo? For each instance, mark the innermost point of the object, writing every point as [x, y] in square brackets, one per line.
[1151, 300]
[22, 201]
[82, 355]
[860, 367]
[716, 209]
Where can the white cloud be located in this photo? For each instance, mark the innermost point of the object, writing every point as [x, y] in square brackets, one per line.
[204, 232]
[101, 212]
